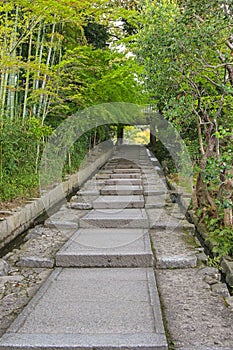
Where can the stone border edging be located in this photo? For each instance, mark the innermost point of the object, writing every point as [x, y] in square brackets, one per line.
[226, 262]
[17, 223]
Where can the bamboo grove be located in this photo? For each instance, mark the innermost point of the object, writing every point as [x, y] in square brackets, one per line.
[55, 59]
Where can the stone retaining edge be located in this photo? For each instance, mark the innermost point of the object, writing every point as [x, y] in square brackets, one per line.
[17, 223]
[226, 262]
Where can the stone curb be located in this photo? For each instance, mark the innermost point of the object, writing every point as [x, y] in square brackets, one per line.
[17, 223]
[183, 196]
[226, 262]
[227, 268]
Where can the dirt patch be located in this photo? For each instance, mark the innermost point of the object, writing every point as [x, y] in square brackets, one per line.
[8, 208]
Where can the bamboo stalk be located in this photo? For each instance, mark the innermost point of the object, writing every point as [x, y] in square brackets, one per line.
[39, 55]
[42, 96]
[26, 91]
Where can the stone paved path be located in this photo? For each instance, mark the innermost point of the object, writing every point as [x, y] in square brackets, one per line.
[126, 236]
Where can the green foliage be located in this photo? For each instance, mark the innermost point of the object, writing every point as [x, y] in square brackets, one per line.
[92, 76]
[18, 149]
[221, 237]
[187, 53]
[164, 157]
[214, 262]
[137, 134]
[55, 60]
[96, 34]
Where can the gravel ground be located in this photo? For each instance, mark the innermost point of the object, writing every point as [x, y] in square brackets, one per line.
[16, 290]
[21, 283]
[195, 316]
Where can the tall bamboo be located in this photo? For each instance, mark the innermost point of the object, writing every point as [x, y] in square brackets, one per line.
[43, 96]
[26, 91]
[13, 74]
[38, 58]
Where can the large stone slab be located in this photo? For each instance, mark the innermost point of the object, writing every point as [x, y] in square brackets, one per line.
[86, 309]
[121, 218]
[107, 248]
[118, 202]
[170, 220]
[121, 190]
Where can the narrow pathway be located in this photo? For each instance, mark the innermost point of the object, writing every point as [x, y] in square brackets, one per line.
[103, 293]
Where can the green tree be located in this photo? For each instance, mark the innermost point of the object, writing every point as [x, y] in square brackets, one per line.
[187, 52]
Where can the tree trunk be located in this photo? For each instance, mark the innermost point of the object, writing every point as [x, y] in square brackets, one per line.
[226, 197]
[204, 198]
[152, 135]
[120, 134]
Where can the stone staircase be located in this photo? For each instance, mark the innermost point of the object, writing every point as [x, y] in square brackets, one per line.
[102, 293]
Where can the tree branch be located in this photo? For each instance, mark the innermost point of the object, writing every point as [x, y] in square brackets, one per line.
[228, 66]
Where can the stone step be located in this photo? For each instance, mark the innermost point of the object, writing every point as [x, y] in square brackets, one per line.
[126, 171]
[105, 171]
[124, 182]
[120, 218]
[150, 173]
[118, 202]
[146, 166]
[180, 252]
[67, 219]
[155, 201]
[102, 176]
[121, 190]
[89, 192]
[86, 309]
[121, 166]
[80, 205]
[125, 176]
[163, 219]
[153, 191]
[107, 248]
[117, 161]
